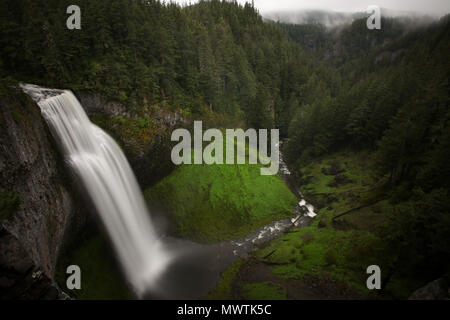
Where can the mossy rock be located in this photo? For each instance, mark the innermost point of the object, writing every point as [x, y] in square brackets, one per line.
[283, 253]
[224, 288]
[9, 204]
[263, 291]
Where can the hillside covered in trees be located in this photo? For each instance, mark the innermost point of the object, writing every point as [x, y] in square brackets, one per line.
[366, 113]
[393, 102]
[215, 54]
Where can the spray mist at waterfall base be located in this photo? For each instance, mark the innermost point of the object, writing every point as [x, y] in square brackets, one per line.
[192, 273]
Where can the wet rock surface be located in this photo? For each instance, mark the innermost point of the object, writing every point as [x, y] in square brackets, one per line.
[96, 103]
[436, 290]
[148, 152]
[31, 238]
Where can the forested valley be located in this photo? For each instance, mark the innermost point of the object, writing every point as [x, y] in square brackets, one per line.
[365, 115]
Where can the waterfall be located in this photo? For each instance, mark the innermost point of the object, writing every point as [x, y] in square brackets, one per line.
[110, 183]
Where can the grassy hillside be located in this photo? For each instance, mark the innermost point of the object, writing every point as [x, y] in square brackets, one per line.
[220, 202]
[329, 258]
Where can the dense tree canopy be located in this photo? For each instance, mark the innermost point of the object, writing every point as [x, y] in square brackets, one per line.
[392, 99]
[218, 54]
[382, 90]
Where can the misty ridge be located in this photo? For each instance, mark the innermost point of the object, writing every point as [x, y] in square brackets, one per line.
[334, 19]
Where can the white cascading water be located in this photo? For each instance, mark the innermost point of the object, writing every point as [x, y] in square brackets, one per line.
[110, 183]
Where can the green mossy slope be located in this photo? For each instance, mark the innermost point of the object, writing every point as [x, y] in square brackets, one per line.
[211, 203]
[263, 291]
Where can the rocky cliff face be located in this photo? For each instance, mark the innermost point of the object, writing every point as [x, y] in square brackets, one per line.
[96, 103]
[436, 290]
[31, 234]
[38, 212]
[144, 136]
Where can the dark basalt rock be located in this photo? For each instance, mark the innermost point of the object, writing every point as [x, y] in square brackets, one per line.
[150, 161]
[50, 213]
[31, 238]
[96, 103]
[436, 290]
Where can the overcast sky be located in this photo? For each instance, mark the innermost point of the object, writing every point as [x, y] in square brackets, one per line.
[440, 7]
